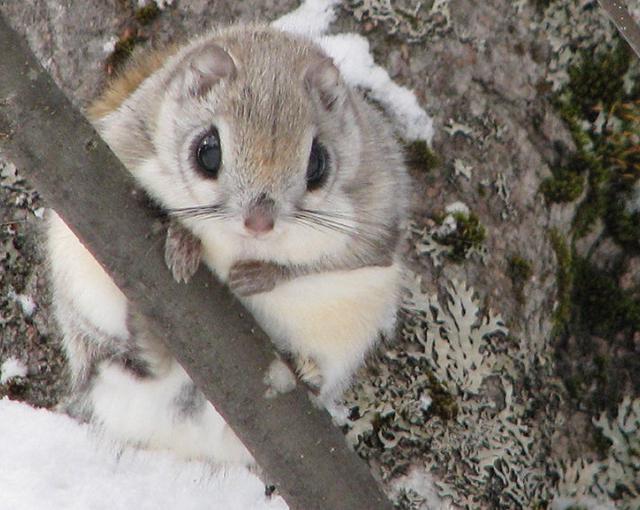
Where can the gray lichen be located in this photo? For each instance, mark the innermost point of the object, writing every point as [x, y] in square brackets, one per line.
[454, 341]
[613, 482]
[409, 20]
[456, 235]
[573, 27]
[490, 440]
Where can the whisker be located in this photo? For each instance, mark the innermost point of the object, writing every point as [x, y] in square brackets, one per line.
[332, 224]
[358, 228]
[346, 216]
[198, 208]
[367, 236]
[319, 225]
[204, 211]
[307, 223]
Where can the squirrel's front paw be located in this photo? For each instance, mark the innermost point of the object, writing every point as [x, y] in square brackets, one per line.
[182, 252]
[253, 277]
[309, 372]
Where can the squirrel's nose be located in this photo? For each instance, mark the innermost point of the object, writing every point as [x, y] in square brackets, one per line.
[259, 217]
[259, 222]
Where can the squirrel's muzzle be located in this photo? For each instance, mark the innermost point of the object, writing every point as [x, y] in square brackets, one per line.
[260, 217]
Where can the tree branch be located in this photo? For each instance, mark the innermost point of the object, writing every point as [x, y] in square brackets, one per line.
[628, 28]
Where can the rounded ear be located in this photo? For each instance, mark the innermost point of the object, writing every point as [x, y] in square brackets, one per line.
[202, 68]
[323, 78]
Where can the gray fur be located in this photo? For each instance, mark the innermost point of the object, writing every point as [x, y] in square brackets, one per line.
[269, 130]
[190, 401]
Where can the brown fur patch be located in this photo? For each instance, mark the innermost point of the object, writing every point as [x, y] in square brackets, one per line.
[129, 79]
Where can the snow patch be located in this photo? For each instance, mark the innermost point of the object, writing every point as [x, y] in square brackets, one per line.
[161, 4]
[27, 304]
[457, 207]
[11, 369]
[352, 55]
[47, 455]
[425, 402]
[419, 489]
[279, 379]
[110, 45]
[584, 503]
[312, 18]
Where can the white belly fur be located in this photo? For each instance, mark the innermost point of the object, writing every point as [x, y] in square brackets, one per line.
[81, 281]
[333, 318]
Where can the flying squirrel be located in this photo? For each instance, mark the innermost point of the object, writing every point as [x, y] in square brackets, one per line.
[276, 175]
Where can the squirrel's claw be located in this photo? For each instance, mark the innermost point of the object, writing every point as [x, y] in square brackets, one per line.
[309, 372]
[251, 277]
[182, 252]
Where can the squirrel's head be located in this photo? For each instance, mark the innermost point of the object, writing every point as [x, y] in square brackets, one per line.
[255, 134]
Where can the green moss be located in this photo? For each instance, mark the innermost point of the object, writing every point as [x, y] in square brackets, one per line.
[565, 187]
[598, 80]
[601, 443]
[443, 403]
[601, 306]
[579, 383]
[609, 188]
[587, 214]
[569, 112]
[574, 385]
[623, 159]
[567, 182]
[595, 377]
[124, 47]
[602, 367]
[520, 272]
[419, 156]
[15, 389]
[624, 226]
[595, 319]
[540, 504]
[609, 155]
[564, 276]
[147, 13]
[620, 143]
[123, 50]
[438, 217]
[541, 5]
[469, 234]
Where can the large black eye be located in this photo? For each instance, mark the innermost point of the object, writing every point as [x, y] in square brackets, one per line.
[208, 154]
[318, 166]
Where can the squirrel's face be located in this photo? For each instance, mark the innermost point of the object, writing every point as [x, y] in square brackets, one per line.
[262, 149]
